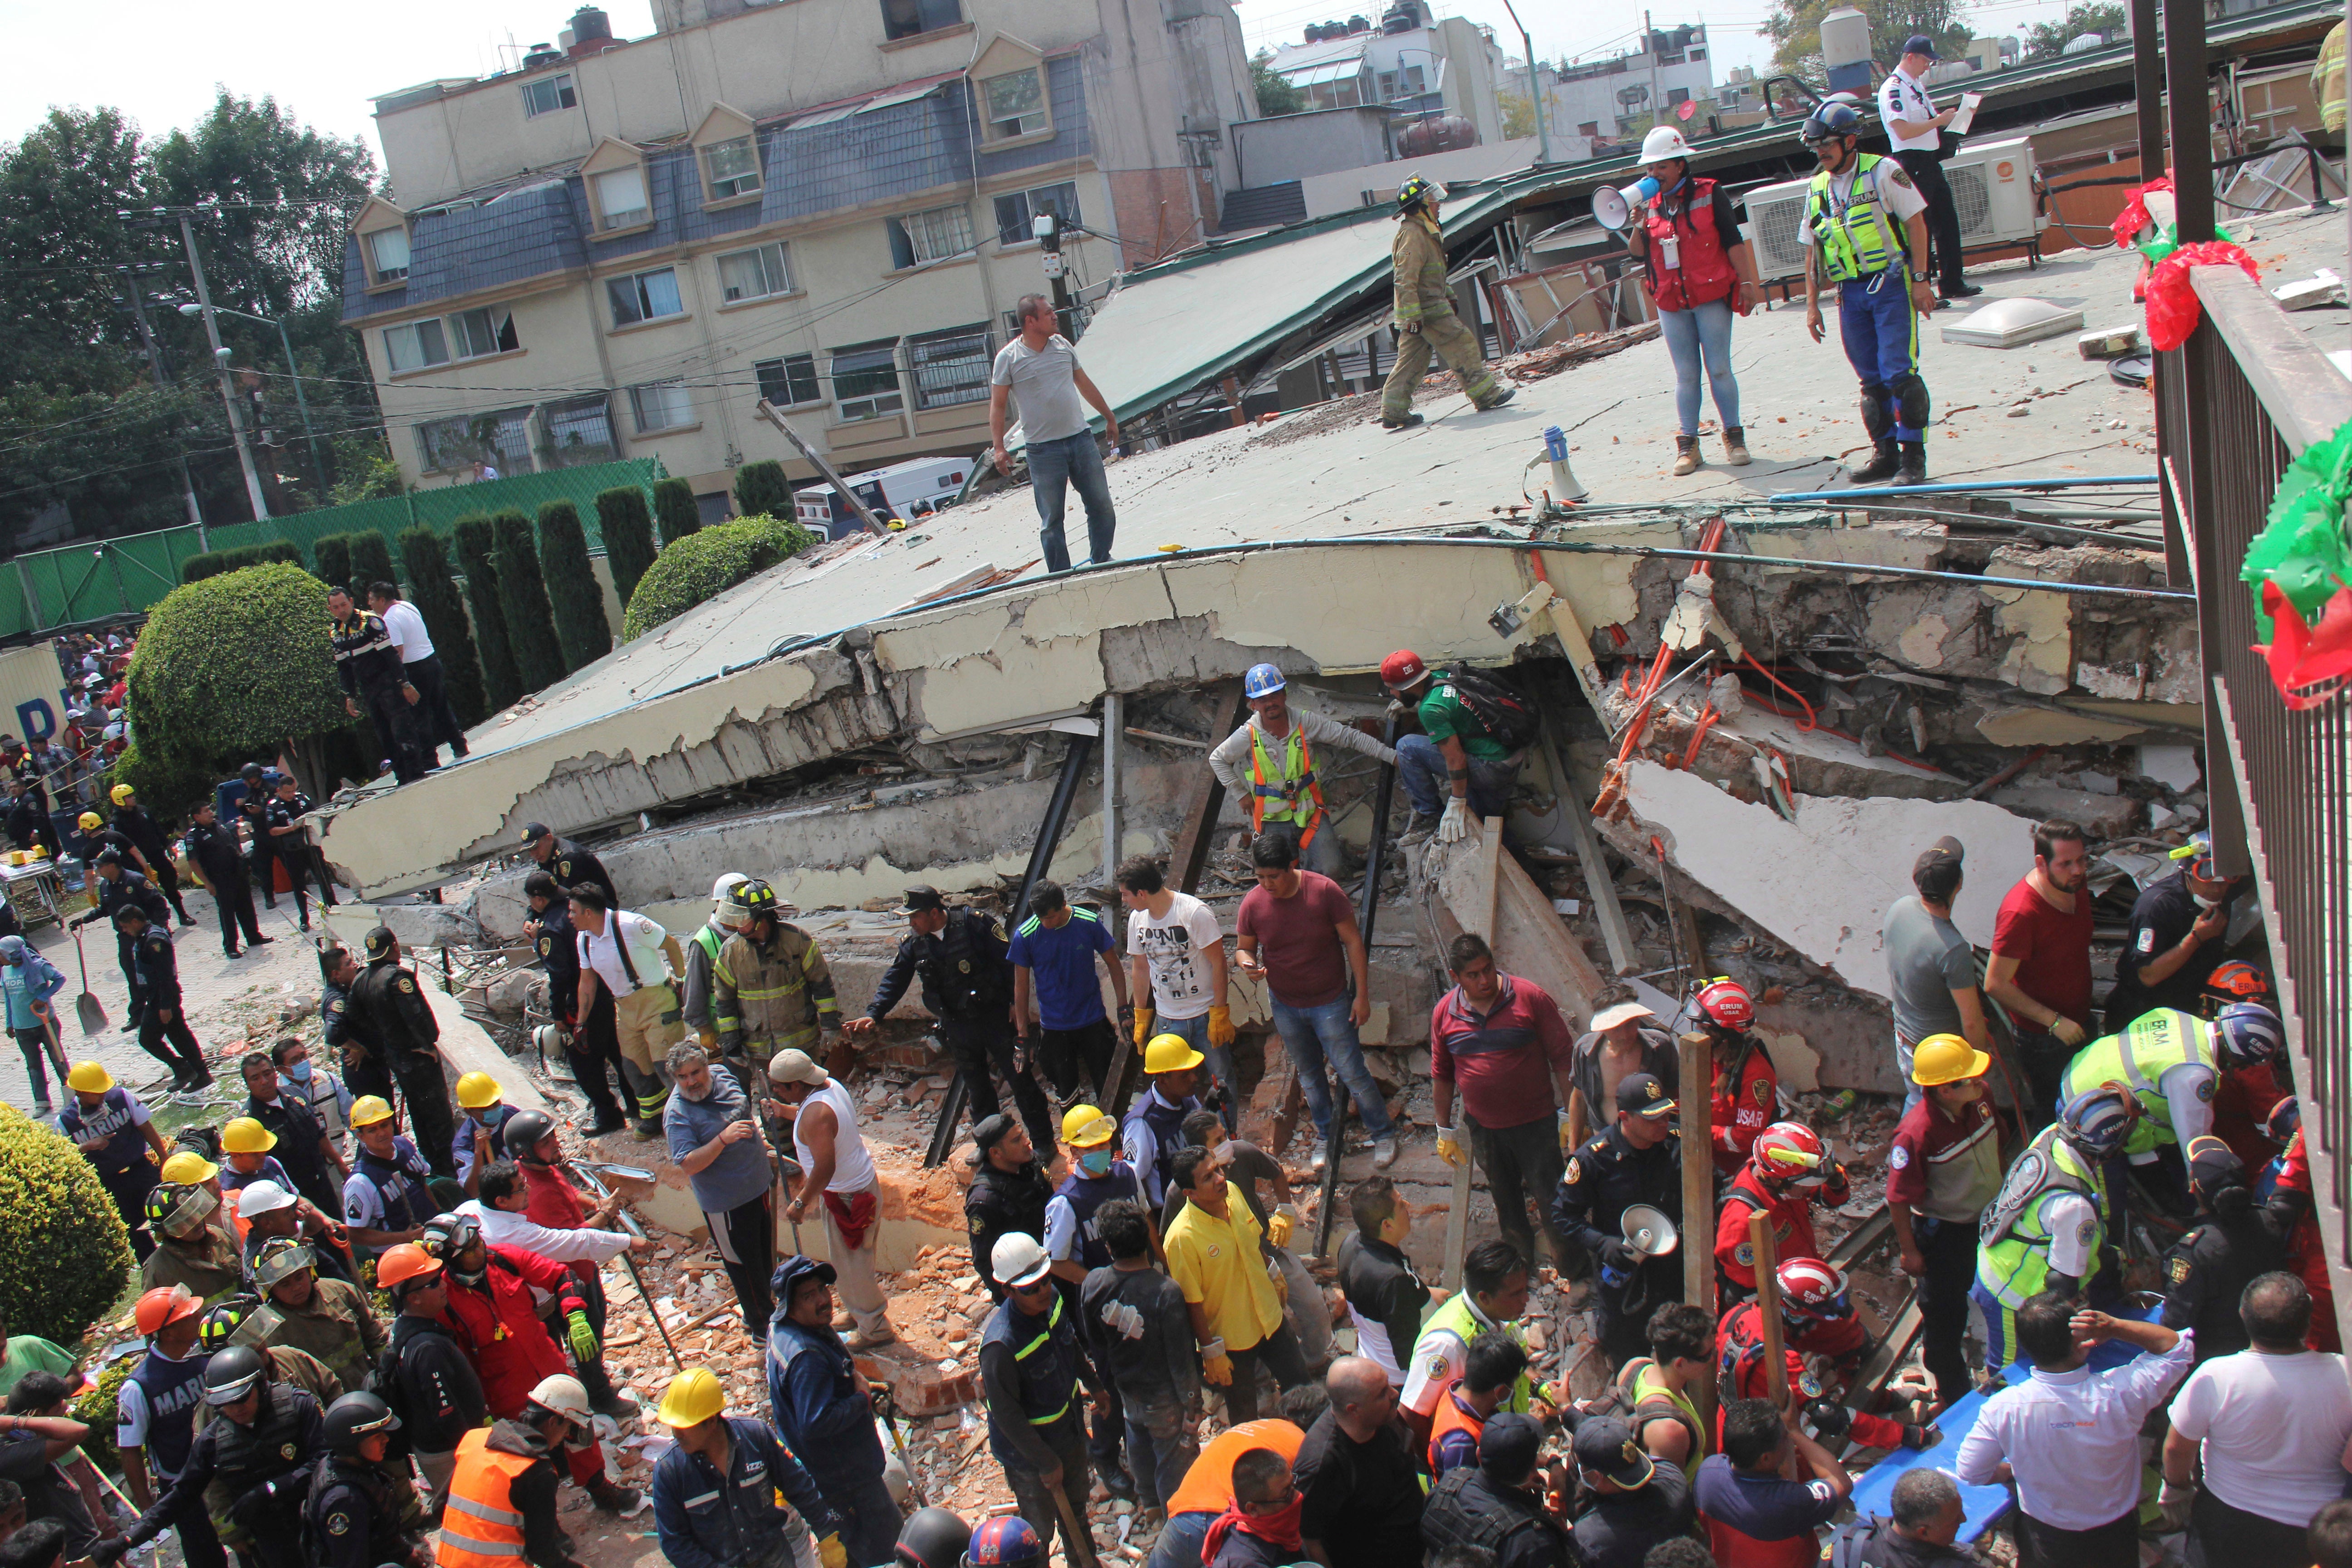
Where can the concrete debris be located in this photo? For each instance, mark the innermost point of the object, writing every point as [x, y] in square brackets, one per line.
[1585, 347]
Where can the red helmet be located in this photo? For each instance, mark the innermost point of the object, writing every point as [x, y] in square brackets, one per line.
[2236, 981]
[1726, 1002]
[1811, 1292]
[1790, 1154]
[1402, 670]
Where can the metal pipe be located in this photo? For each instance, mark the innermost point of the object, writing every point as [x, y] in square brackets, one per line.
[1114, 721]
[1862, 569]
[1896, 492]
[1367, 904]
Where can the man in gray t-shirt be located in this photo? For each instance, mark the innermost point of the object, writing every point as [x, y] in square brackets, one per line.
[1930, 968]
[1039, 372]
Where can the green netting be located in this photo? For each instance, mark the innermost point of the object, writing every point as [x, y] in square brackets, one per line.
[440, 508]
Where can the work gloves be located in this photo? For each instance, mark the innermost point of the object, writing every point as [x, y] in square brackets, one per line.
[1122, 1320]
[1216, 1364]
[1281, 1223]
[1281, 1285]
[1143, 1016]
[1567, 1139]
[1916, 1438]
[1455, 822]
[1619, 1258]
[2171, 1502]
[831, 1552]
[1449, 1148]
[1220, 1026]
[583, 1335]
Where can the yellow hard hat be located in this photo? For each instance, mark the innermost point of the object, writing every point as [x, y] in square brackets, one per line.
[1947, 1059]
[89, 1078]
[368, 1109]
[246, 1136]
[188, 1169]
[90, 819]
[121, 793]
[476, 1090]
[1169, 1053]
[693, 1397]
[1083, 1127]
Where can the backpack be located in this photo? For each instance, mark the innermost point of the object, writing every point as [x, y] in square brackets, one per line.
[1508, 718]
[1851, 1540]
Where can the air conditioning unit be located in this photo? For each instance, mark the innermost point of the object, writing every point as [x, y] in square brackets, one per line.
[1992, 189]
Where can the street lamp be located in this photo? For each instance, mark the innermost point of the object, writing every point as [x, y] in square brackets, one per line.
[318, 467]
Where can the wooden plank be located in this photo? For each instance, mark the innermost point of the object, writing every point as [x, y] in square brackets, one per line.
[1529, 938]
[1489, 891]
[1598, 884]
[1696, 1077]
[1767, 1250]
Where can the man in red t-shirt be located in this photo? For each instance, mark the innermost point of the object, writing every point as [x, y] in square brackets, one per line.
[2040, 968]
[1298, 932]
[1501, 1039]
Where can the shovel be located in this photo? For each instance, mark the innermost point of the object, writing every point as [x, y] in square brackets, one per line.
[86, 1007]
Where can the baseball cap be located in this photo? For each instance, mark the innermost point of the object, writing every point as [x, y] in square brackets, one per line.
[12, 948]
[920, 898]
[1947, 850]
[1644, 1096]
[1622, 1013]
[1509, 1445]
[991, 1131]
[379, 941]
[532, 832]
[1921, 43]
[1605, 1446]
[795, 1067]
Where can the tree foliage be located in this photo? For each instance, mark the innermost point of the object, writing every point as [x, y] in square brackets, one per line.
[63, 1254]
[371, 561]
[761, 489]
[709, 563]
[628, 529]
[331, 553]
[574, 592]
[2045, 39]
[1519, 114]
[474, 542]
[522, 597]
[433, 589]
[213, 563]
[1275, 94]
[680, 514]
[235, 664]
[1794, 28]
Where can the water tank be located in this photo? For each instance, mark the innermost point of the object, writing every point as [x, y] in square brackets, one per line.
[540, 55]
[1400, 19]
[591, 26]
[1845, 48]
[1358, 25]
[1444, 134]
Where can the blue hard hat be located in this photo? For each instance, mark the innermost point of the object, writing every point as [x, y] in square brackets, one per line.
[1002, 1543]
[2249, 1033]
[2097, 1120]
[1263, 680]
[1831, 119]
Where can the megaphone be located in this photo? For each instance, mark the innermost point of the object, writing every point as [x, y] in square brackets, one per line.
[1614, 208]
[1648, 1230]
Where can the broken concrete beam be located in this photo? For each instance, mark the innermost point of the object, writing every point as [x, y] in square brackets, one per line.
[1529, 938]
[2102, 816]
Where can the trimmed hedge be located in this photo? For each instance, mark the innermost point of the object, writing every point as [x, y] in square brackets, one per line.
[213, 563]
[234, 665]
[709, 563]
[573, 593]
[433, 589]
[333, 555]
[761, 491]
[522, 596]
[679, 512]
[168, 786]
[628, 529]
[64, 1254]
[371, 561]
[473, 542]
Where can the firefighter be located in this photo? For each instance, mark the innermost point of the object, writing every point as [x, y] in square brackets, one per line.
[1821, 1333]
[363, 1512]
[1745, 1097]
[1426, 321]
[2049, 1229]
[502, 1492]
[1788, 1171]
[190, 1249]
[770, 990]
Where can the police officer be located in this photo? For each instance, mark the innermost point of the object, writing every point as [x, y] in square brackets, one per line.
[570, 866]
[131, 820]
[346, 1032]
[387, 995]
[968, 987]
[2178, 927]
[367, 662]
[2206, 1270]
[119, 885]
[1425, 321]
[589, 1045]
[1915, 131]
[362, 1512]
[2049, 1227]
[212, 845]
[164, 1031]
[281, 825]
[1638, 1161]
[1009, 1193]
[1863, 232]
[253, 809]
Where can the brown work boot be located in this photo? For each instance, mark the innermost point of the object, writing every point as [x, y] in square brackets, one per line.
[1399, 421]
[1687, 458]
[1734, 447]
[866, 1340]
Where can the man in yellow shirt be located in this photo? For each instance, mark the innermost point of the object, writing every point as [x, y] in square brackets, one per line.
[1234, 1295]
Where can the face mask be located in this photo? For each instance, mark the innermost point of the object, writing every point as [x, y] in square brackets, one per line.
[1094, 1161]
[299, 1072]
[2203, 902]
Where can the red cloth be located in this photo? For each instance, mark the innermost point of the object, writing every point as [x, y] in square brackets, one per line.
[1306, 966]
[2135, 215]
[854, 1216]
[2242, 1098]
[2306, 1254]
[1740, 1105]
[1792, 1226]
[496, 1325]
[1703, 272]
[551, 1199]
[2052, 949]
[2173, 310]
[1278, 1528]
[1502, 1062]
[1739, 1358]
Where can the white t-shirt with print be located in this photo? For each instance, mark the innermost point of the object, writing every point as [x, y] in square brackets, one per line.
[1174, 946]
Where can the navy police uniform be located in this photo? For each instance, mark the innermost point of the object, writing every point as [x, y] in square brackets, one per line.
[1600, 1180]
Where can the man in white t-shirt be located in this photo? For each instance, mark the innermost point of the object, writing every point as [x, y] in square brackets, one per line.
[634, 959]
[2274, 1423]
[1039, 372]
[421, 666]
[1176, 949]
[1917, 132]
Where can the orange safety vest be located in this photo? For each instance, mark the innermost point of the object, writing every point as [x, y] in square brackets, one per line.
[1450, 1417]
[1298, 774]
[478, 1529]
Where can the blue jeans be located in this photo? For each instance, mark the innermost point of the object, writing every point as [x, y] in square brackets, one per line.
[870, 1521]
[1881, 334]
[1077, 459]
[1703, 331]
[1195, 1033]
[1179, 1545]
[1310, 1034]
[1421, 766]
[1159, 1446]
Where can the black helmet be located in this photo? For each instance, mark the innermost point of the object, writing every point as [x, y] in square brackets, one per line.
[524, 1132]
[223, 1319]
[1831, 119]
[934, 1537]
[355, 1418]
[234, 1374]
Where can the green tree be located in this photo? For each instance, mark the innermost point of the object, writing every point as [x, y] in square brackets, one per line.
[522, 596]
[371, 561]
[363, 471]
[2046, 39]
[1794, 28]
[761, 489]
[433, 590]
[1275, 94]
[63, 1254]
[472, 539]
[628, 531]
[675, 504]
[332, 551]
[1519, 114]
[572, 589]
[709, 563]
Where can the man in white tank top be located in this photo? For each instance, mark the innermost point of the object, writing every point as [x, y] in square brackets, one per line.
[837, 1174]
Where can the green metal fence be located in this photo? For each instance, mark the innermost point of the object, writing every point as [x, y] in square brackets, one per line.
[79, 583]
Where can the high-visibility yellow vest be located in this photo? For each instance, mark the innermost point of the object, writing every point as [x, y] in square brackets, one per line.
[1292, 795]
[2138, 1059]
[2014, 1264]
[1865, 238]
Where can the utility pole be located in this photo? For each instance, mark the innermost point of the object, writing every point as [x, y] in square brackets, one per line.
[155, 366]
[1534, 87]
[220, 364]
[1650, 43]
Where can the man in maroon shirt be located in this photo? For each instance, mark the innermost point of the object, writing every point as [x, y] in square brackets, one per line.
[1298, 932]
[1502, 1040]
[1942, 1169]
[2040, 968]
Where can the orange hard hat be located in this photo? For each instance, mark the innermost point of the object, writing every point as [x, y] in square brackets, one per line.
[166, 1304]
[403, 1262]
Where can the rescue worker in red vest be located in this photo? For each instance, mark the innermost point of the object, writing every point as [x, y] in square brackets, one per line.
[1745, 1097]
[1490, 1372]
[1698, 270]
[1426, 321]
[1270, 762]
[1787, 1171]
[502, 1493]
[1820, 1336]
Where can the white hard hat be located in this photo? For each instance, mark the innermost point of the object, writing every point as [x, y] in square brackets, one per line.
[262, 1197]
[1018, 1259]
[564, 1395]
[1664, 142]
[727, 880]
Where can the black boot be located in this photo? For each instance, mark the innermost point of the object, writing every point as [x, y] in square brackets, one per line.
[1914, 470]
[1882, 466]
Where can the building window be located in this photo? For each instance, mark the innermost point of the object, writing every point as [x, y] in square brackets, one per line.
[1016, 213]
[734, 168]
[754, 274]
[949, 367]
[1016, 104]
[910, 18]
[644, 296]
[388, 254]
[865, 380]
[415, 346]
[501, 440]
[1590, 128]
[1696, 55]
[1677, 95]
[929, 236]
[547, 95]
[489, 331]
[579, 432]
[790, 381]
[620, 198]
[661, 406]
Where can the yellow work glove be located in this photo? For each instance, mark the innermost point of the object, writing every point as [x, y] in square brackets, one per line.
[1566, 1138]
[1449, 1148]
[1281, 1285]
[1142, 1026]
[1216, 1364]
[832, 1552]
[1281, 1223]
[1220, 1026]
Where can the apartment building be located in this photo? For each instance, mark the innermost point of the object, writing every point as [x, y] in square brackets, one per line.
[1619, 96]
[1413, 64]
[619, 248]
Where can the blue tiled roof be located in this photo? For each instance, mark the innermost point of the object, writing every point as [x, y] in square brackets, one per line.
[901, 149]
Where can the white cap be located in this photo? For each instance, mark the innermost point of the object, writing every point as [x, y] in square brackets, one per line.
[795, 1067]
[727, 880]
[1018, 1259]
[562, 1395]
[1622, 1013]
[261, 1198]
[1664, 142]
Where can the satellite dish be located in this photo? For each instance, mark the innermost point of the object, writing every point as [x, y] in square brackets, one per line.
[1610, 207]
